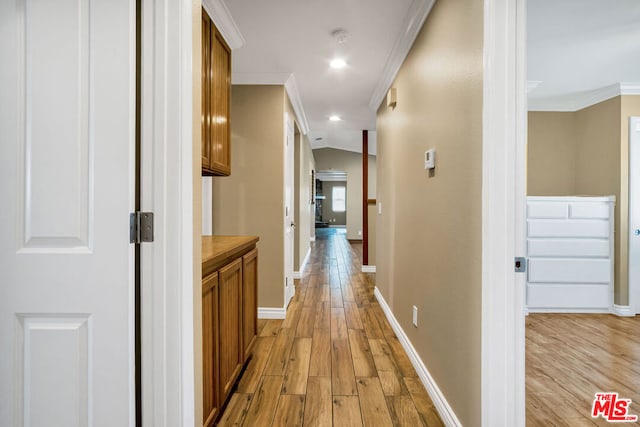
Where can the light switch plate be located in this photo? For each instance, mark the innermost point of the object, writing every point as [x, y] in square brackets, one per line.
[430, 159]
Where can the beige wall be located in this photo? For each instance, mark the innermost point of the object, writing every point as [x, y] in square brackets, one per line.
[328, 215]
[551, 154]
[250, 201]
[351, 163]
[597, 156]
[429, 236]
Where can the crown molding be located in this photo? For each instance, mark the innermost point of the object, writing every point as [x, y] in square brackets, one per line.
[287, 80]
[412, 24]
[259, 78]
[221, 16]
[576, 102]
[296, 102]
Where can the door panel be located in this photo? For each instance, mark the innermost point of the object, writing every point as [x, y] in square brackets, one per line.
[67, 120]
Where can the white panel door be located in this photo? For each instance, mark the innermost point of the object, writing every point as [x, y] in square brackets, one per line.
[288, 209]
[67, 122]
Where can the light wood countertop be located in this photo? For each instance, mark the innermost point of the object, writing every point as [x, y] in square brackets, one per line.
[220, 250]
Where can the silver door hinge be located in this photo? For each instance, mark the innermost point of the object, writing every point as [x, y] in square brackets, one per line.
[520, 264]
[140, 227]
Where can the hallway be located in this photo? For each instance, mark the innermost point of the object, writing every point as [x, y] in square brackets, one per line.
[334, 361]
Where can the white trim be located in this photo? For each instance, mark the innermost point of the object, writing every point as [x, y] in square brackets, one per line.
[167, 285]
[503, 213]
[622, 311]
[296, 102]
[445, 410]
[633, 244]
[298, 274]
[271, 313]
[578, 101]
[412, 24]
[259, 78]
[368, 268]
[224, 22]
[312, 238]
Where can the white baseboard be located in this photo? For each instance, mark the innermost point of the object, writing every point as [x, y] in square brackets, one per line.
[442, 406]
[271, 313]
[298, 274]
[622, 310]
[368, 268]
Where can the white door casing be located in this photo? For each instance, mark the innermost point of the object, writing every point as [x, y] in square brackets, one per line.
[634, 214]
[288, 209]
[67, 120]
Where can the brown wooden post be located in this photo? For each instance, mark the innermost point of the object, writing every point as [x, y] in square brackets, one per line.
[365, 197]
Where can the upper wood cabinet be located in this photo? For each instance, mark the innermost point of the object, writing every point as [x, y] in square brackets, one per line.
[216, 100]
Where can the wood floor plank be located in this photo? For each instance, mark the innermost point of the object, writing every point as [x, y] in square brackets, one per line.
[372, 401]
[370, 323]
[295, 381]
[346, 411]
[320, 363]
[422, 402]
[323, 315]
[236, 410]
[317, 407]
[336, 297]
[403, 412]
[352, 315]
[279, 357]
[338, 324]
[264, 402]
[306, 322]
[382, 355]
[251, 378]
[271, 328]
[289, 411]
[392, 384]
[363, 364]
[343, 380]
[293, 314]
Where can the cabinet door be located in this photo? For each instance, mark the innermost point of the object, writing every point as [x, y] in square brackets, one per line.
[249, 300]
[230, 318]
[220, 92]
[210, 349]
[206, 91]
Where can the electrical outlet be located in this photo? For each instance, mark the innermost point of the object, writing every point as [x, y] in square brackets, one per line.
[359, 232]
[415, 316]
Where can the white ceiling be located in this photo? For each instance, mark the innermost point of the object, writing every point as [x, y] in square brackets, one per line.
[284, 37]
[580, 51]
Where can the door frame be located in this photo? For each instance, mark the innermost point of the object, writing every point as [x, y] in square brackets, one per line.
[289, 153]
[503, 213]
[170, 267]
[634, 214]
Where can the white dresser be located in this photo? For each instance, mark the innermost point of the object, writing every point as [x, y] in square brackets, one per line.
[570, 249]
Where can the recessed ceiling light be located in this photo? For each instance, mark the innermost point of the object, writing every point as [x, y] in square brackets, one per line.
[335, 118]
[338, 63]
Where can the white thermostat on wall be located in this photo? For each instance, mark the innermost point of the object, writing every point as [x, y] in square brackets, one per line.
[430, 159]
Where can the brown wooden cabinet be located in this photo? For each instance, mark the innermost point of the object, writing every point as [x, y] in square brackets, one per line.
[216, 100]
[229, 316]
[231, 356]
[210, 348]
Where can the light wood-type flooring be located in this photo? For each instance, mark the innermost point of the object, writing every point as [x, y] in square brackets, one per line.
[334, 360]
[570, 357]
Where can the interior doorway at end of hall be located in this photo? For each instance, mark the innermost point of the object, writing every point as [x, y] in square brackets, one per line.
[331, 200]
